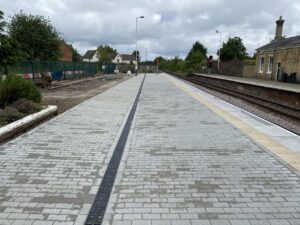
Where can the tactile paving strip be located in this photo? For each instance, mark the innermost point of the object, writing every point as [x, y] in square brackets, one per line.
[98, 208]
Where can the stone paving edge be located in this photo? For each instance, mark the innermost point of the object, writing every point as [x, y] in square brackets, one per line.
[18, 126]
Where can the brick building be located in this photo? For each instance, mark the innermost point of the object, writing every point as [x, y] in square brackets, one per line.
[282, 55]
[65, 51]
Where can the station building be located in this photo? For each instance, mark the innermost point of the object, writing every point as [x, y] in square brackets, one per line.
[281, 55]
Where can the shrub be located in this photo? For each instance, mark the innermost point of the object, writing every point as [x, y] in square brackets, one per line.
[2, 118]
[14, 88]
[26, 106]
[11, 114]
[189, 72]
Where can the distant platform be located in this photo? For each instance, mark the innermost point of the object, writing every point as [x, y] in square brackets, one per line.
[258, 82]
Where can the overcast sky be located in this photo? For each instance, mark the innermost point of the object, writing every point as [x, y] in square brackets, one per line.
[170, 27]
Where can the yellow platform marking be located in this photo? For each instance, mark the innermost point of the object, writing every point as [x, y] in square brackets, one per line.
[289, 156]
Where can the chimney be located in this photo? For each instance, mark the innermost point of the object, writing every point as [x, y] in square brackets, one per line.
[279, 28]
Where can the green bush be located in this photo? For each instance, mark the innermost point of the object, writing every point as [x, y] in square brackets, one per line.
[189, 72]
[26, 106]
[18, 110]
[11, 114]
[14, 88]
[2, 118]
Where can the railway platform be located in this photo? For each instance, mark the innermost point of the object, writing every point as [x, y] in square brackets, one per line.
[257, 82]
[152, 150]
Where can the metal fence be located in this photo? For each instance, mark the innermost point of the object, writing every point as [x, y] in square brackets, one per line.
[58, 70]
[109, 68]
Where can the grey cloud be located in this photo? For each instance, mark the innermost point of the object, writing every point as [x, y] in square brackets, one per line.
[170, 27]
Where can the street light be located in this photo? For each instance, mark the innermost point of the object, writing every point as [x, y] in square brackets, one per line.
[146, 64]
[218, 32]
[136, 30]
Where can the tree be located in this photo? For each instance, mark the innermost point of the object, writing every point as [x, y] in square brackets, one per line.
[105, 54]
[176, 64]
[233, 49]
[2, 23]
[160, 60]
[197, 61]
[138, 55]
[10, 52]
[199, 48]
[196, 56]
[38, 39]
[76, 57]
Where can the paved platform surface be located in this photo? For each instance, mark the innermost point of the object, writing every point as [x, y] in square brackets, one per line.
[51, 174]
[259, 82]
[183, 163]
[186, 165]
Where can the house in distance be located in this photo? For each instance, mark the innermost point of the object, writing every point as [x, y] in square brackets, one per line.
[90, 56]
[124, 59]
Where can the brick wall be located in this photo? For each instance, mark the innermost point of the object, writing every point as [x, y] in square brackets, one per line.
[238, 68]
[249, 71]
[66, 52]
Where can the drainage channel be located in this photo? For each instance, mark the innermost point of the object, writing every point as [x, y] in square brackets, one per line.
[97, 211]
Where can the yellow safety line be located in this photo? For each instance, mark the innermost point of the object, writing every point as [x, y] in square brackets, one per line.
[289, 156]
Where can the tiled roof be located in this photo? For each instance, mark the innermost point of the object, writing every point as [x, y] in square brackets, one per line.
[284, 42]
[128, 57]
[89, 54]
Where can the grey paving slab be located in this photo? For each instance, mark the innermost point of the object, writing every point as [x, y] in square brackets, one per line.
[283, 136]
[51, 174]
[185, 165]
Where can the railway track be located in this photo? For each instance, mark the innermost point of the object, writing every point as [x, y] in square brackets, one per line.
[288, 115]
[72, 82]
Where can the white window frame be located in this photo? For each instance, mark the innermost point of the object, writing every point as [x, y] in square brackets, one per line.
[261, 64]
[270, 70]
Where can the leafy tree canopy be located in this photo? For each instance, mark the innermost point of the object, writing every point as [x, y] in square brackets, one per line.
[2, 22]
[196, 56]
[10, 52]
[76, 57]
[175, 64]
[160, 59]
[38, 39]
[197, 59]
[105, 54]
[197, 48]
[233, 49]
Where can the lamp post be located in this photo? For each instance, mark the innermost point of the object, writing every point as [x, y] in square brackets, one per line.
[218, 32]
[146, 64]
[136, 31]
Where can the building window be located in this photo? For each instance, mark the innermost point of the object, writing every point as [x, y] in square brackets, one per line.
[270, 66]
[261, 64]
